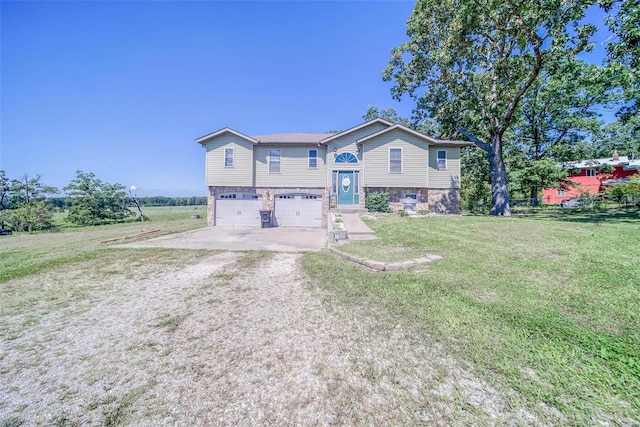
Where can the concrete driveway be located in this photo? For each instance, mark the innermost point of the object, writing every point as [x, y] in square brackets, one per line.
[280, 239]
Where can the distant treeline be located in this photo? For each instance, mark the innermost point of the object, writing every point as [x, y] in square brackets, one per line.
[65, 203]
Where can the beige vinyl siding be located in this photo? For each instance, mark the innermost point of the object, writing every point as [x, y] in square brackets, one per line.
[242, 171]
[294, 167]
[347, 143]
[449, 178]
[414, 161]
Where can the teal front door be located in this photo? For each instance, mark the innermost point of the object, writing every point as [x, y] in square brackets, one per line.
[345, 188]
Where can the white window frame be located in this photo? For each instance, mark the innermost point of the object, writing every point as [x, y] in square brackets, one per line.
[356, 182]
[232, 151]
[443, 159]
[591, 172]
[273, 161]
[395, 148]
[334, 182]
[559, 192]
[313, 158]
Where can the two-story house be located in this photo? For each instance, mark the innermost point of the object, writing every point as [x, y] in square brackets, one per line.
[592, 176]
[301, 176]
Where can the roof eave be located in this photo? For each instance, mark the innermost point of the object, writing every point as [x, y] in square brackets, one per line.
[400, 127]
[355, 128]
[417, 134]
[204, 139]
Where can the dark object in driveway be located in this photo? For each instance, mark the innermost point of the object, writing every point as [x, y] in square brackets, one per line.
[574, 202]
[265, 218]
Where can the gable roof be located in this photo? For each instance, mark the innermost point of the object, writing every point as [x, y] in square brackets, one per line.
[353, 129]
[324, 138]
[222, 131]
[417, 134]
[397, 127]
[622, 161]
[292, 138]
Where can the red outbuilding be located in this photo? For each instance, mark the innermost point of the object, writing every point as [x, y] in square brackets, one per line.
[590, 177]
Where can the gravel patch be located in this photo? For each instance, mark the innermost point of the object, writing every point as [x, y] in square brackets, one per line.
[208, 340]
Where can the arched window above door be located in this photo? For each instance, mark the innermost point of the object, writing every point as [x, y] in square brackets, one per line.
[346, 158]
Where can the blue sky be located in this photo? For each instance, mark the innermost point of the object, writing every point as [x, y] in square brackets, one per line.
[122, 89]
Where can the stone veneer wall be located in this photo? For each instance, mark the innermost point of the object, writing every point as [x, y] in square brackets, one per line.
[397, 196]
[444, 201]
[268, 196]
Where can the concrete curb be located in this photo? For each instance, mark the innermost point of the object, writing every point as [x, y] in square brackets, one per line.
[381, 266]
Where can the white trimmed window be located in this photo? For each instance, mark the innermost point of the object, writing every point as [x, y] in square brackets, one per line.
[591, 172]
[559, 192]
[395, 160]
[442, 159]
[228, 157]
[356, 182]
[275, 156]
[334, 182]
[313, 159]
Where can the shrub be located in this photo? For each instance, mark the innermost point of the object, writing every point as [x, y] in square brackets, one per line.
[377, 202]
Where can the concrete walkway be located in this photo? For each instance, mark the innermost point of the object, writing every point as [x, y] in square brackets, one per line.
[356, 228]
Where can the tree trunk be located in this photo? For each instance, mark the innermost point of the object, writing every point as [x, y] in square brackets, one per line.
[534, 196]
[499, 191]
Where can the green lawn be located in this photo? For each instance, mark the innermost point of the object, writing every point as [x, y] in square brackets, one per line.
[548, 305]
[23, 253]
[154, 213]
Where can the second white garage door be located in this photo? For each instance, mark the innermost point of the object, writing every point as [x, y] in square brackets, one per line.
[238, 209]
[298, 210]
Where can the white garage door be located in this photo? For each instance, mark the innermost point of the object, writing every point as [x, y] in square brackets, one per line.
[298, 210]
[238, 209]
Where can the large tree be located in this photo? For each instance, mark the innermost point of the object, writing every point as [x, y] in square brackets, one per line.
[622, 136]
[95, 202]
[24, 203]
[561, 110]
[557, 121]
[468, 64]
[623, 50]
[5, 189]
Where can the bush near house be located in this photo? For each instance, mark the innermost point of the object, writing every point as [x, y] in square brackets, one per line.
[377, 202]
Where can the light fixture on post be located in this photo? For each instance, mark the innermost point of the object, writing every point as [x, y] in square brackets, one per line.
[335, 152]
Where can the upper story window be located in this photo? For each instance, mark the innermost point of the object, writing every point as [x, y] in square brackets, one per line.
[228, 157]
[346, 158]
[275, 156]
[442, 159]
[395, 160]
[591, 172]
[313, 159]
[559, 192]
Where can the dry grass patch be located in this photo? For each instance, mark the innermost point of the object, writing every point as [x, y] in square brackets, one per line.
[158, 337]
